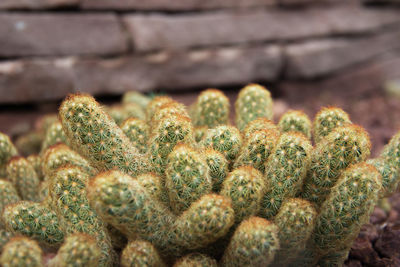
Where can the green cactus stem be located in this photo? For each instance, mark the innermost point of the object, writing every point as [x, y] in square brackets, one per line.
[187, 177]
[8, 195]
[137, 131]
[36, 161]
[140, 253]
[21, 252]
[200, 133]
[7, 151]
[285, 171]
[24, 178]
[34, 220]
[154, 186]
[390, 175]
[167, 110]
[245, 187]
[54, 135]
[328, 119]
[96, 137]
[29, 143]
[257, 125]
[5, 236]
[254, 101]
[211, 109]
[122, 112]
[218, 167]
[344, 146]
[256, 149]
[254, 243]
[296, 120]
[136, 98]
[155, 104]
[196, 260]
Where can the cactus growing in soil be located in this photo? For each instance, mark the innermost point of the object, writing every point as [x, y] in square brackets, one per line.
[187, 177]
[24, 178]
[254, 243]
[139, 253]
[328, 119]
[211, 109]
[95, 136]
[295, 120]
[21, 252]
[254, 101]
[285, 171]
[344, 146]
[7, 151]
[138, 132]
[79, 250]
[196, 259]
[390, 175]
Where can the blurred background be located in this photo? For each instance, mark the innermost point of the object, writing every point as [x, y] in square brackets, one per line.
[308, 53]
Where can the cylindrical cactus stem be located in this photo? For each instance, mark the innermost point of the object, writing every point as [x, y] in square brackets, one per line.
[36, 161]
[23, 176]
[346, 209]
[296, 221]
[5, 236]
[254, 101]
[344, 146]
[218, 167]
[167, 110]
[256, 149]
[29, 143]
[79, 250]
[21, 251]
[245, 187]
[225, 139]
[334, 259]
[61, 155]
[34, 220]
[137, 131]
[187, 177]
[169, 131]
[8, 195]
[54, 135]
[44, 122]
[200, 133]
[297, 121]
[155, 104]
[137, 98]
[254, 243]
[328, 119]
[196, 260]
[138, 253]
[285, 171]
[7, 151]
[96, 137]
[68, 199]
[389, 171]
[257, 125]
[207, 220]
[154, 186]
[122, 112]
[211, 109]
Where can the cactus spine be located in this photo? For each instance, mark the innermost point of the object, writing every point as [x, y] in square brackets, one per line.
[390, 175]
[21, 252]
[54, 135]
[254, 243]
[5, 236]
[218, 167]
[7, 151]
[254, 101]
[211, 109]
[95, 136]
[196, 260]
[138, 132]
[285, 171]
[296, 120]
[257, 125]
[8, 195]
[141, 253]
[328, 119]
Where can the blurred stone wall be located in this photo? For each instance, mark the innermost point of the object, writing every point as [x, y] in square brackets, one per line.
[49, 48]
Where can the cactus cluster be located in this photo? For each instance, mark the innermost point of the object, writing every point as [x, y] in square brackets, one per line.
[149, 182]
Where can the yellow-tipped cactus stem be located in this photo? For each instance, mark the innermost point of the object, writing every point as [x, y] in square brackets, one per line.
[328, 119]
[138, 253]
[7, 151]
[218, 167]
[137, 98]
[196, 260]
[297, 121]
[54, 135]
[257, 125]
[138, 133]
[21, 252]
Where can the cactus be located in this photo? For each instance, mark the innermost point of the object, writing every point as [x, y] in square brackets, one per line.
[257, 125]
[169, 131]
[21, 252]
[155, 104]
[254, 101]
[141, 253]
[36, 161]
[61, 155]
[7, 151]
[254, 243]
[138, 132]
[196, 260]
[34, 220]
[120, 113]
[96, 137]
[225, 139]
[295, 220]
[187, 177]
[334, 258]
[390, 175]
[328, 119]
[346, 209]
[68, 199]
[200, 133]
[285, 171]
[218, 167]
[44, 122]
[5, 236]
[245, 187]
[136, 98]
[344, 146]
[256, 149]
[211, 109]
[54, 135]
[167, 110]
[8, 195]
[78, 250]
[295, 120]
[154, 186]
[23, 177]
[29, 143]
